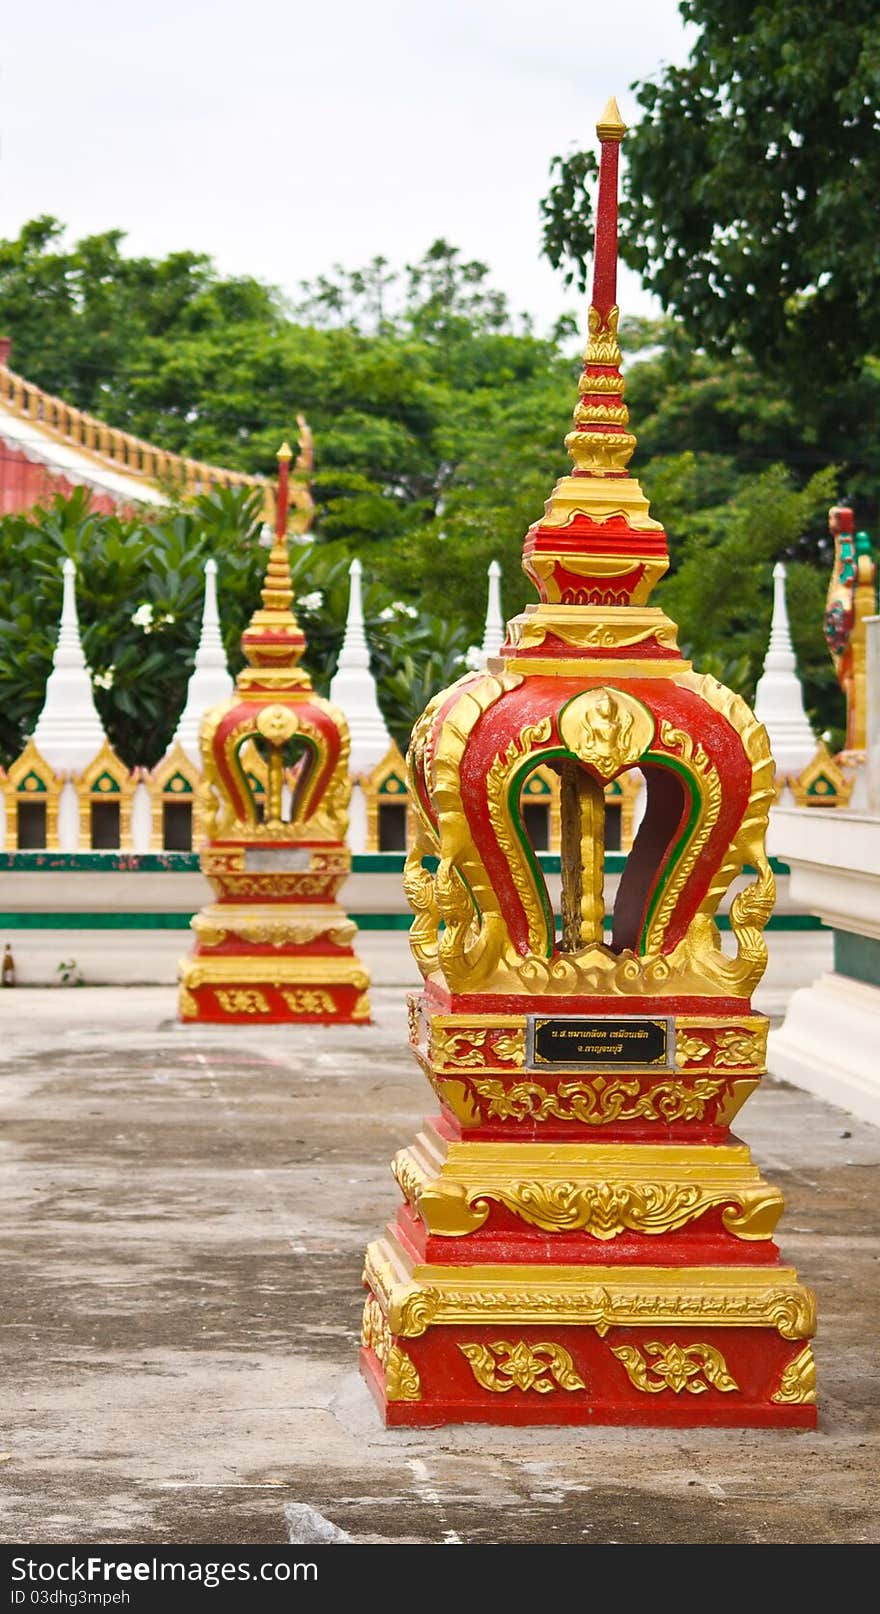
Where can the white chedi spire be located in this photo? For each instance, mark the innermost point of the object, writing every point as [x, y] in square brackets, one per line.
[779, 700]
[353, 687]
[210, 680]
[493, 634]
[69, 732]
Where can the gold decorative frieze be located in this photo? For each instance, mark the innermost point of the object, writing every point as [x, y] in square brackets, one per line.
[694, 1368]
[456, 1045]
[725, 1044]
[543, 564]
[278, 926]
[645, 1188]
[280, 972]
[598, 1103]
[415, 1296]
[504, 1366]
[594, 627]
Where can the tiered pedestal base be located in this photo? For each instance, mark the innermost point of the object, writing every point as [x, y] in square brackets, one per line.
[579, 1345]
[583, 1240]
[276, 947]
[275, 986]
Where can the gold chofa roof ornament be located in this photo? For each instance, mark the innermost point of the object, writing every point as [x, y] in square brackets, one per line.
[582, 1239]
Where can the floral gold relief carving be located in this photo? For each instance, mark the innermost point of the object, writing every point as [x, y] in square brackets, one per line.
[736, 1046]
[601, 1210]
[457, 1047]
[599, 1103]
[694, 1368]
[511, 1047]
[241, 1000]
[276, 723]
[689, 1049]
[739, 1048]
[401, 1375]
[603, 347]
[798, 1383]
[503, 1366]
[309, 1000]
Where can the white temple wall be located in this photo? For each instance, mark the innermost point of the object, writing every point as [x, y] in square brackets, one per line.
[141, 818]
[357, 820]
[68, 818]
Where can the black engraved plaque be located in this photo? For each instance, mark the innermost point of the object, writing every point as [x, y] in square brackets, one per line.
[601, 1042]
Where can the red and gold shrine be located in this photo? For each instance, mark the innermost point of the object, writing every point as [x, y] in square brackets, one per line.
[583, 1239]
[276, 945]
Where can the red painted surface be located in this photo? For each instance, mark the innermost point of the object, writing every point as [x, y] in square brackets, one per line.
[755, 1358]
[25, 483]
[504, 1238]
[278, 1010]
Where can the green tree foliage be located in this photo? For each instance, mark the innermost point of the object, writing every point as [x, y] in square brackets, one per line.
[139, 600]
[750, 204]
[439, 425]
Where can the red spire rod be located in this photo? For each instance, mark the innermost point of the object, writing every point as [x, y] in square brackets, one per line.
[284, 458]
[611, 130]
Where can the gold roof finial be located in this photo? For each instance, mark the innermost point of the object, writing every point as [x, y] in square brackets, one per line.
[600, 445]
[611, 125]
[273, 637]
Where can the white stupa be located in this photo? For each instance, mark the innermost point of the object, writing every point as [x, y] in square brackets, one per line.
[779, 700]
[495, 629]
[353, 687]
[210, 680]
[69, 732]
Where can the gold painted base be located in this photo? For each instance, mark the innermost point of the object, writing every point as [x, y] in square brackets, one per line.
[594, 1189]
[643, 1345]
[415, 1296]
[259, 969]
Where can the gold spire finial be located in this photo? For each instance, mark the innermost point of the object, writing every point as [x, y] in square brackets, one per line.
[611, 125]
[285, 452]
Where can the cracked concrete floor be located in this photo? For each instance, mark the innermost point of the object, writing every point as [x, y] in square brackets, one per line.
[184, 1214]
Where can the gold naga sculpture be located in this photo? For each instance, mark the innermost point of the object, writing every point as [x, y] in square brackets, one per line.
[582, 1238]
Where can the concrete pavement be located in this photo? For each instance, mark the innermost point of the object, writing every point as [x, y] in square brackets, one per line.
[184, 1214]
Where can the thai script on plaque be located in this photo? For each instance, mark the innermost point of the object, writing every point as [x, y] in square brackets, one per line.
[598, 1040]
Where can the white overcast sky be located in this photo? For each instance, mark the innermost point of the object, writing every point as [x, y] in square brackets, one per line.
[284, 137]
